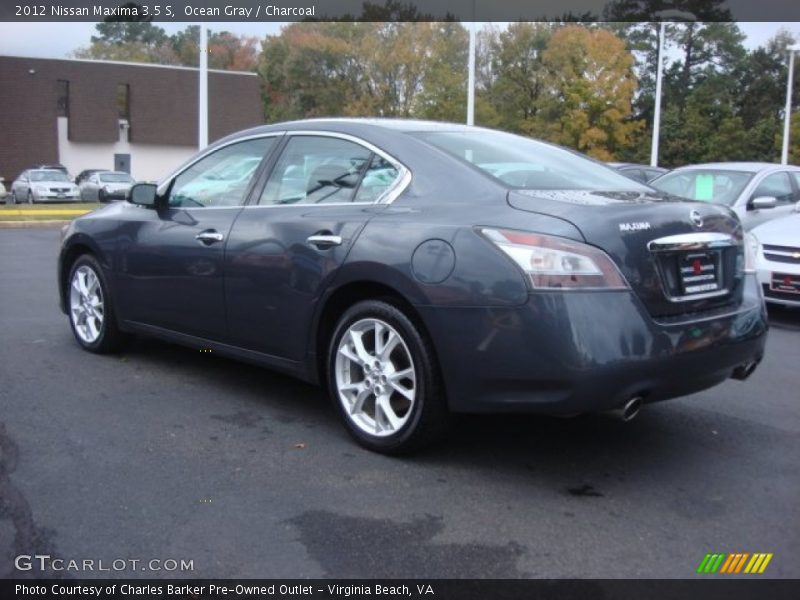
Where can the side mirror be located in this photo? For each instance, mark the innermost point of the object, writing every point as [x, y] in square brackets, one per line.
[763, 202]
[143, 194]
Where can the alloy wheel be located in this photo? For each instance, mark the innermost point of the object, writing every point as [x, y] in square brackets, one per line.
[375, 377]
[87, 308]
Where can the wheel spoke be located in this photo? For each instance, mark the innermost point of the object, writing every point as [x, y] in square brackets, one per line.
[405, 392]
[391, 343]
[383, 406]
[358, 402]
[350, 355]
[357, 339]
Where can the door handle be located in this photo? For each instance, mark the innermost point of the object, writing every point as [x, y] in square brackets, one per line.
[209, 237]
[324, 241]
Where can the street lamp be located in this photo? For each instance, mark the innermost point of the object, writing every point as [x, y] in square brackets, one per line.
[787, 118]
[663, 16]
[471, 71]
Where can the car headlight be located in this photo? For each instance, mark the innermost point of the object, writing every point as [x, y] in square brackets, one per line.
[554, 262]
[752, 247]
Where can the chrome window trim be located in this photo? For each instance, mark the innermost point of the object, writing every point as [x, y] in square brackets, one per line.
[167, 181]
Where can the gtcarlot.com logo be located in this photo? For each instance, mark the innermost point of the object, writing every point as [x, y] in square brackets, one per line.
[737, 562]
[45, 562]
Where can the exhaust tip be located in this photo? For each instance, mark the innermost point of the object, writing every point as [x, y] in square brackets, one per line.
[627, 411]
[631, 409]
[744, 371]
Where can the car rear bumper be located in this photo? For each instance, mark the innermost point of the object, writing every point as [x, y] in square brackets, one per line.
[575, 352]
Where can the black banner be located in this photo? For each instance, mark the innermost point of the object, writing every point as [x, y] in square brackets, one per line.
[732, 588]
[397, 10]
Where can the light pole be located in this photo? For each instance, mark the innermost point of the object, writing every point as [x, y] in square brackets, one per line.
[787, 118]
[202, 100]
[663, 16]
[471, 71]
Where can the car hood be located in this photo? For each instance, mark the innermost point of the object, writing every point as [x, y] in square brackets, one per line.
[784, 231]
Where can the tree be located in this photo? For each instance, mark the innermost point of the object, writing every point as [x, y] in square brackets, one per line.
[588, 92]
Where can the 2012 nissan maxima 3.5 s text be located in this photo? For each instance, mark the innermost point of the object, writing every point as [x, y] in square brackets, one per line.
[417, 269]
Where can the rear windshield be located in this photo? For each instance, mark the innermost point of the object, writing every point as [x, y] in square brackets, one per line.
[115, 178]
[719, 186]
[524, 163]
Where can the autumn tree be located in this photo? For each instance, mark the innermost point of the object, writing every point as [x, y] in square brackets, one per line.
[588, 90]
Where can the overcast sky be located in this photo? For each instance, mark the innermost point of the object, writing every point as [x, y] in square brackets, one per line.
[57, 40]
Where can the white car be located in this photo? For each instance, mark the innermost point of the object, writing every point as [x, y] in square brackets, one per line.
[43, 185]
[757, 192]
[778, 259]
[105, 186]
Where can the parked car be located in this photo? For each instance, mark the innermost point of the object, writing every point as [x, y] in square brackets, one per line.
[439, 287]
[43, 185]
[640, 173]
[85, 174]
[105, 186]
[778, 262]
[757, 192]
[3, 193]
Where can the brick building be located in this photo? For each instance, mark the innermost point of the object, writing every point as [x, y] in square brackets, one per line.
[140, 118]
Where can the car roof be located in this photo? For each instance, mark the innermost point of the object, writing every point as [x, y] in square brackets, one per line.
[357, 125]
[750, 167]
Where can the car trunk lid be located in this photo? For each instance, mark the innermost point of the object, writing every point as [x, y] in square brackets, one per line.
[678, 257]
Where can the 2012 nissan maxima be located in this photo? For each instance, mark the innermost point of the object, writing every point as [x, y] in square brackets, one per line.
[417, 269]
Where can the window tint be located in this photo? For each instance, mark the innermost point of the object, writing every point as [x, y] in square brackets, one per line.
[316, 170]
[221, 178]
[525, 163]
[706, 185]
[776, 185]
[635, 174]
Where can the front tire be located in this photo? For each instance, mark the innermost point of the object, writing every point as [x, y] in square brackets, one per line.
[383, 379]
[90, 307]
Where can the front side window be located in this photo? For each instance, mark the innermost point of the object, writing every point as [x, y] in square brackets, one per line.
[719, 186]
[221, 178]
[776, 186]
[520, 162]
[317, 170]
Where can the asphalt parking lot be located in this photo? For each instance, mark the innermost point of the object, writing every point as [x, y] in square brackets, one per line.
[166, 453]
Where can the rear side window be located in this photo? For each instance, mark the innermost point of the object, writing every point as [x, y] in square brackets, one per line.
[320, 170]
[220, 178]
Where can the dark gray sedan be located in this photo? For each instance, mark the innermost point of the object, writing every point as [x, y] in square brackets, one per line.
[418, 269]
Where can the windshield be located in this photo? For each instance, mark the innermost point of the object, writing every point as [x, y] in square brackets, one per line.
[48, 176]
[719, 186]
[524, 163]
[115, 178]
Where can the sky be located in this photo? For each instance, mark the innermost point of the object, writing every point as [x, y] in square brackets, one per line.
[58, 40]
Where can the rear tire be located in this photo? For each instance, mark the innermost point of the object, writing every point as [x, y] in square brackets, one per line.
[90, 307]
[383, 380]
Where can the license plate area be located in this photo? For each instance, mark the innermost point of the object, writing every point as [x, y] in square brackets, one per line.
[699, 273]
[785, 283]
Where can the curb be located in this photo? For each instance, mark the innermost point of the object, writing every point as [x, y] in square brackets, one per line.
[31, 224]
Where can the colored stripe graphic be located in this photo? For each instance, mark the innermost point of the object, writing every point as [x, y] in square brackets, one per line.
[733, 563]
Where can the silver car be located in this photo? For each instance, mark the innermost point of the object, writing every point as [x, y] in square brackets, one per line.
[43, 185]
[778, 259]
[757, 192]
[105, 186]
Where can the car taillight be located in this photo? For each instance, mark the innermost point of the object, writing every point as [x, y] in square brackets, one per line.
[554, 262]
